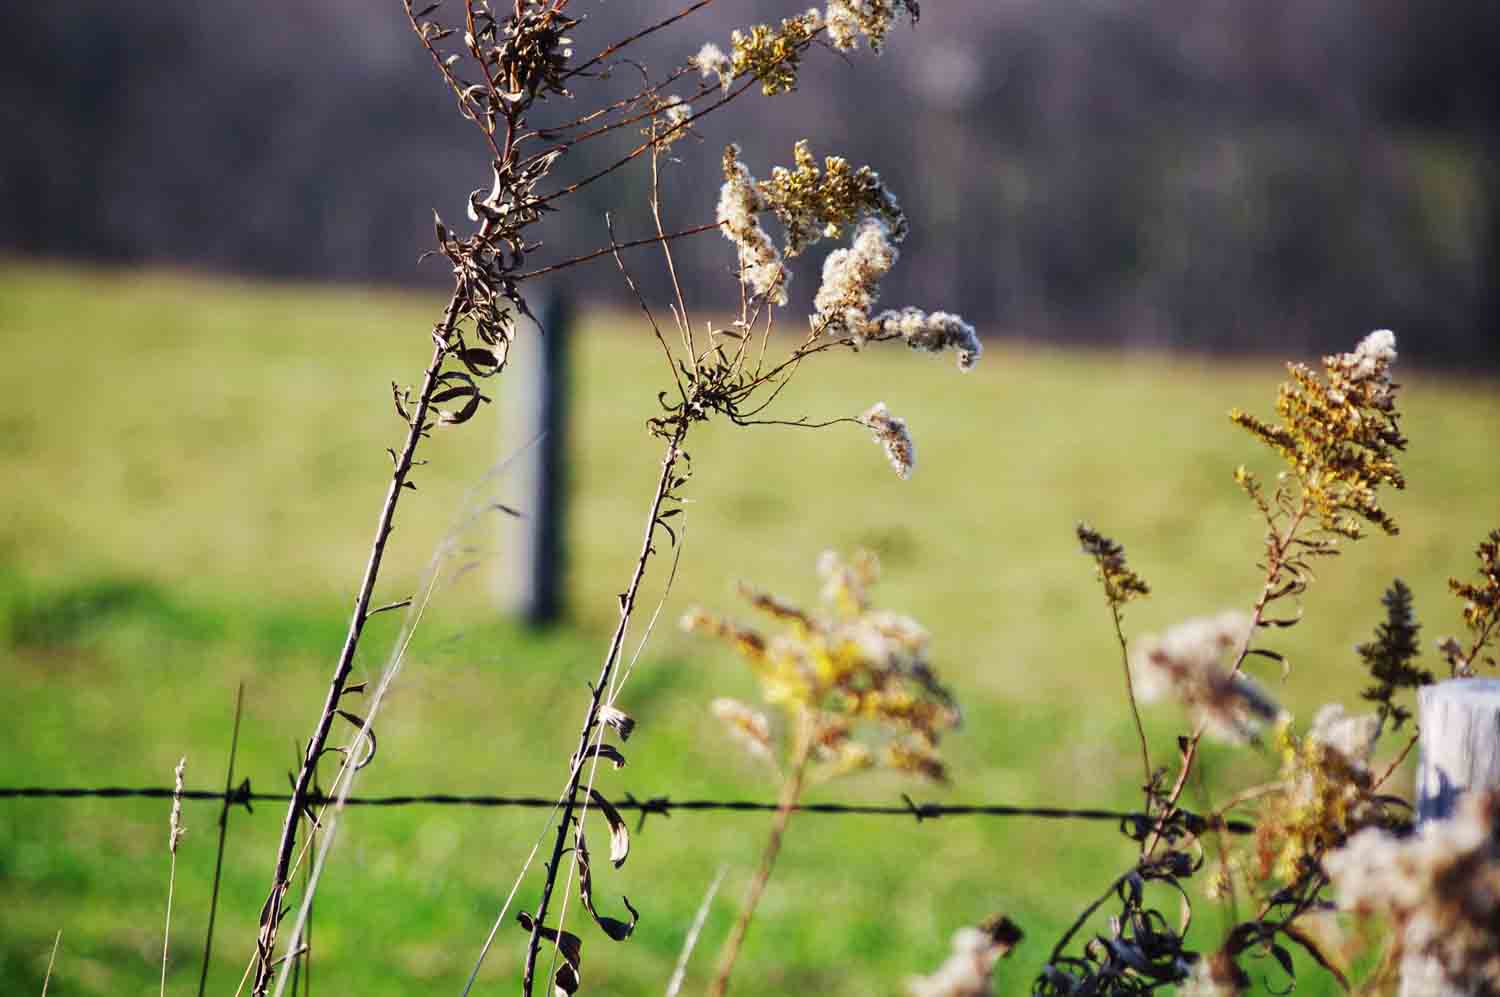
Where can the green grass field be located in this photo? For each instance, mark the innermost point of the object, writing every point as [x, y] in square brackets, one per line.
[192, 473]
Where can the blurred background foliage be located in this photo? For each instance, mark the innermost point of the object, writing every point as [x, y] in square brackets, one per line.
[1215, 174]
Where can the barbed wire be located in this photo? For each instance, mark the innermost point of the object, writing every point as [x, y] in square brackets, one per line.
[665, 806]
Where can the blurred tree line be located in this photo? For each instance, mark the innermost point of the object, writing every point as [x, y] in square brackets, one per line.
[1214, 174]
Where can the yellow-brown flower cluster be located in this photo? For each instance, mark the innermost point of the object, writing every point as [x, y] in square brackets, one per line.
[813, 203]
[854, 683]
[1326, 795]
[1339, 436]
[772, 55]
[1121, 584]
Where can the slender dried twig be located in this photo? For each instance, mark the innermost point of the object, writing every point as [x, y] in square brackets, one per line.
[1275, 560]
[674, 985]
[50, 961]
[610, 50]
[213, 900]
[416, 431]
[173, 835]
[670, 459]
[607, 250]
[1083, 917]
[1135, 710]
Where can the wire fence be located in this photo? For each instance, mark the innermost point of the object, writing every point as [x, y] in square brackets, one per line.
[1133, 823]
[665, 806]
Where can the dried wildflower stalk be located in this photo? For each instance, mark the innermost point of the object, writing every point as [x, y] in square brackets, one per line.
[1339, 437]
[1121, 585]
[175, 831]
[855, 690]
[1481, 610]
[499, 61]
[727, 376]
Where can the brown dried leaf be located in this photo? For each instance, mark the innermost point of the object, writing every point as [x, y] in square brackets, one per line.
[611, 926]
[608, 752]
[569, 946]
[619, 834]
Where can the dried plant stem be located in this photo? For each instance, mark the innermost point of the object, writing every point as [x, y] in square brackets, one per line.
[607, 250]
[166, 939]
[674, 985]
[271, 914]
[1275, 560]
[1135, 711]
[669, 463]
[1396, 762]
[213, 902]
[50, 961]
[174, 834]
[1082, 918]
[791, 790]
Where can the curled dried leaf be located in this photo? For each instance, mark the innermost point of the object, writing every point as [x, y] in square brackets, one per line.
[619, 834]
[461, 386]
[611, 926]
[608, 752]
[369, 733]
[569, 946]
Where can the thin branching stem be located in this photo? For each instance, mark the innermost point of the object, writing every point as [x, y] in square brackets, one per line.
[1082, 918]
[610, 50]
[1396, 763]
[607, 250]
[670, 459]
[1275, 561]
[1135, 710]
[416, 430]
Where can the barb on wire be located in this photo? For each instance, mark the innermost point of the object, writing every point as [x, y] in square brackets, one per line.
[662, 805]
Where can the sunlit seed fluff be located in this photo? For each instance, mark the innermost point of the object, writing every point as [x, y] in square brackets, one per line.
[967, 971]
[617, 718]
[843, 27]
[675, 115]
[851, 278]
[711, 61]
[1353, 737]
[1441, 887]
[934, 332]
[747, 726]
[892, 434]
[761, 266]
[1187, 663]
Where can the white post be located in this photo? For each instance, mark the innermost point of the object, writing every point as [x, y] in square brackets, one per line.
[1460, 751]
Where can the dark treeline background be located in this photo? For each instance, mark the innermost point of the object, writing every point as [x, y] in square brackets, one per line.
[1215, 174]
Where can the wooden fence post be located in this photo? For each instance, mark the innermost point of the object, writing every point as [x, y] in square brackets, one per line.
[532, 558]
[1460, 751]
